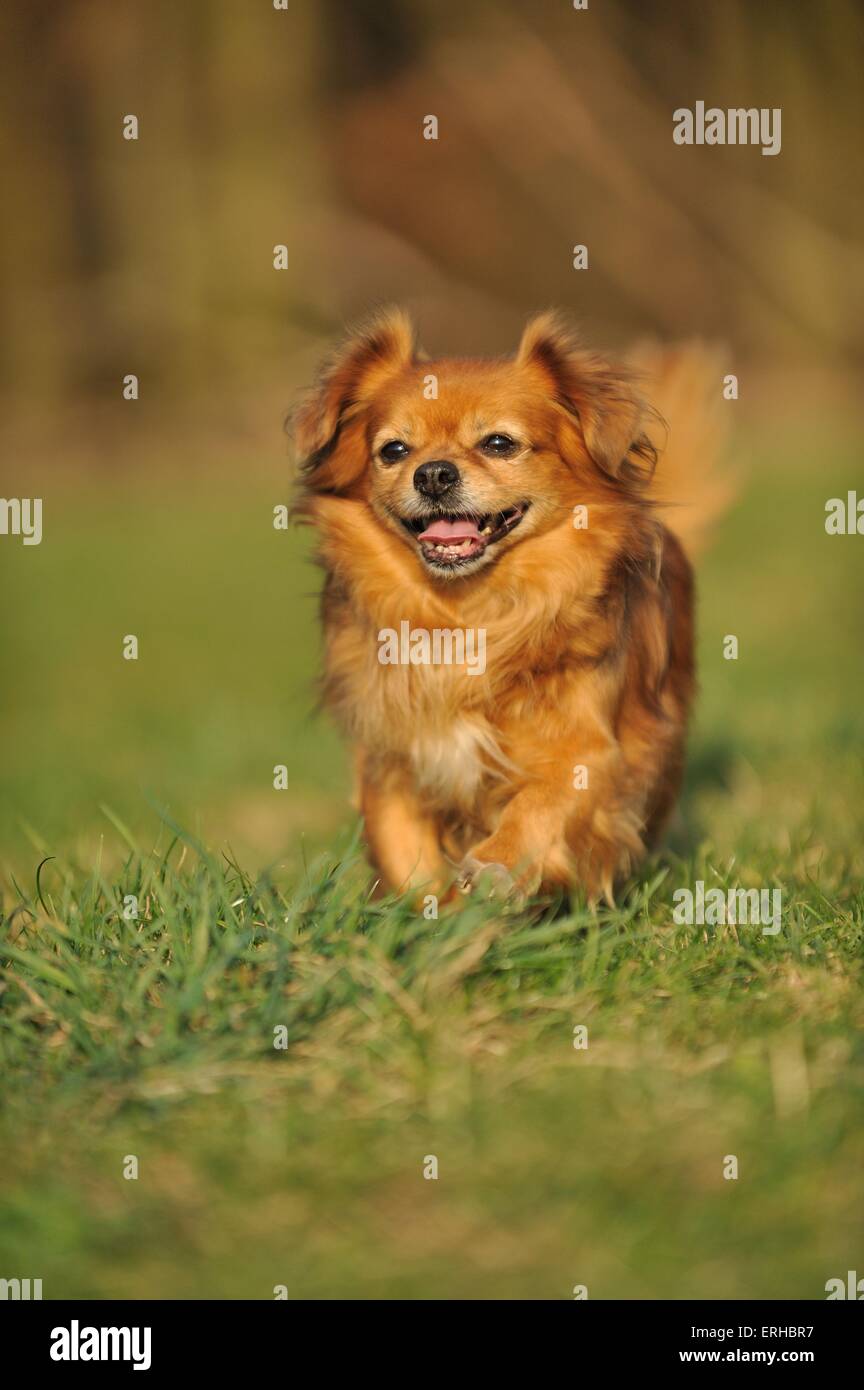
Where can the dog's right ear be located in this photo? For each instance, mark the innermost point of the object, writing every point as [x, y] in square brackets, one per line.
[380, 349]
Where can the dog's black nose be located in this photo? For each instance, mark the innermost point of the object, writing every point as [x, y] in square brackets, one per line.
[435, 478]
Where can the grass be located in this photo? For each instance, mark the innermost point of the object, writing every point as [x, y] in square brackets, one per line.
[302, 1165]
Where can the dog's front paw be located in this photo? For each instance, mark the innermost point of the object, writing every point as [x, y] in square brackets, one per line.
[486, 880]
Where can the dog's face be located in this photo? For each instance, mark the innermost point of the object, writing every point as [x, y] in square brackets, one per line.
[465, 476]
[463, 459]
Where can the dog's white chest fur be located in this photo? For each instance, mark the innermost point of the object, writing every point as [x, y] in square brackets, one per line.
[449, 762]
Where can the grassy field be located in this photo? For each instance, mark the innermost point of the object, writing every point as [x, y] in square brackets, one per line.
[303, 1165]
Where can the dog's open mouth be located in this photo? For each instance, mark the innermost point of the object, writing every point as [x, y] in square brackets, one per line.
[453, 540]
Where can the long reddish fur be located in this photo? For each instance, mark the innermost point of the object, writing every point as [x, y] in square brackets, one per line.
[589, 657]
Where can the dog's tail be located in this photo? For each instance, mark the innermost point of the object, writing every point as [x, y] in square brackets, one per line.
[693, 484]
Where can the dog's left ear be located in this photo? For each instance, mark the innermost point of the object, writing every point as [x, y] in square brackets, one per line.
[609, 410]
[379, 349]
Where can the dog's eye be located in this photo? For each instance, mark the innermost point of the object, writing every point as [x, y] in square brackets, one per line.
[499, 444]
[393, 451]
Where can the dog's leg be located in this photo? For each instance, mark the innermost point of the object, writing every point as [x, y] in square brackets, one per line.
[402, 837]
[560, 831]
[527, 848]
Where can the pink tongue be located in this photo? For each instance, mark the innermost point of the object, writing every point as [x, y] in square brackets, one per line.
[444, 530]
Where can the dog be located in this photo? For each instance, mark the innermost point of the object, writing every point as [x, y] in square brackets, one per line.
[527, 498]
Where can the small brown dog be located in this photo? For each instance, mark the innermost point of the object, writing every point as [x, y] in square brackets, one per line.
[506, 512]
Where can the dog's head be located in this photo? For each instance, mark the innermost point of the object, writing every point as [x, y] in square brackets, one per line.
[463, 459]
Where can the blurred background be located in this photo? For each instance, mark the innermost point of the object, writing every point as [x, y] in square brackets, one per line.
[303, 127]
